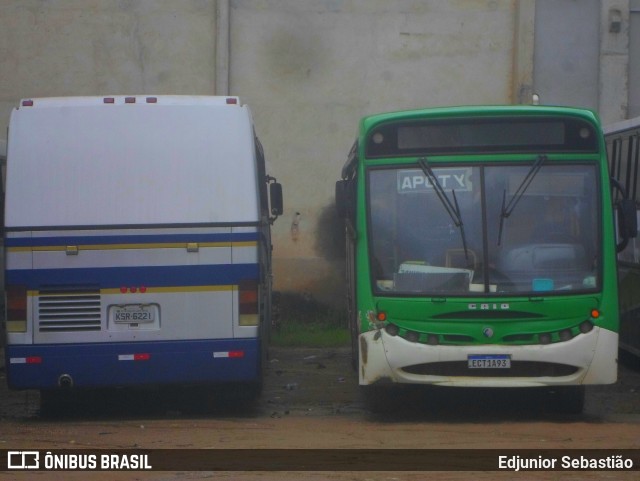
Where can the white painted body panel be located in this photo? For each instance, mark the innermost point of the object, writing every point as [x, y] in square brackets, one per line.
[386, 356]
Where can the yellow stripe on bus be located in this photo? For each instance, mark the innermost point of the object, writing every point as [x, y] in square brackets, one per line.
[96, 247]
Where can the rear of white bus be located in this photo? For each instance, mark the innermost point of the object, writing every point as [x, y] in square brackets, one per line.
[136, 243]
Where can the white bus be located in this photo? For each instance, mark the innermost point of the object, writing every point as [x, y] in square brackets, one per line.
[138, 247]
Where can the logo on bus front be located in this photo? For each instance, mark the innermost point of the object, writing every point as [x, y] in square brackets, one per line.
[485, 306]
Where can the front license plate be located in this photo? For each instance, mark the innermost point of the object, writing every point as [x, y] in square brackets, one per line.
[133, 314]
[489, 361]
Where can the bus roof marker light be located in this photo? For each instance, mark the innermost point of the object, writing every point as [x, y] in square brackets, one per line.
[109, 100]
[27, 103]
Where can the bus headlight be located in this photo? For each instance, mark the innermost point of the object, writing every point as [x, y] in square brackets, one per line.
[586, 326]
[412, 336]
[392, 329]
[566, 335]
[545, 338]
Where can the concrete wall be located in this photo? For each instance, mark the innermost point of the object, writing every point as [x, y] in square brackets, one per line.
[312, 69]
[569, 76]
[613, 91]
[94, 47]
[309, 69]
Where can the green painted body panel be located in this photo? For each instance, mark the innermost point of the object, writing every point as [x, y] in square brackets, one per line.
[526, 317]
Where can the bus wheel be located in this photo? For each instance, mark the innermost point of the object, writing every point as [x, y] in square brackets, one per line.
[379, 399]
[56, 403]
[568, 399]
[354, 352]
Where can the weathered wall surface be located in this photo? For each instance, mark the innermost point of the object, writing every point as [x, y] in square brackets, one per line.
[309, 69]
[312, 69]
[96, 47]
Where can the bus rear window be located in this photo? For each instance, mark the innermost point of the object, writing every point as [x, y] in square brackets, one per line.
[481, 135]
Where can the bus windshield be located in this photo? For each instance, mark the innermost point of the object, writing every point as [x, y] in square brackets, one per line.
[515, 229]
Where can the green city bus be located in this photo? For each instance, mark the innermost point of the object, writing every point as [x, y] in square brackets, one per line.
[481, 250]
[623, 148]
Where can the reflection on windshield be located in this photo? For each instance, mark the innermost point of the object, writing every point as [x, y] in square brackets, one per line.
[547, 244]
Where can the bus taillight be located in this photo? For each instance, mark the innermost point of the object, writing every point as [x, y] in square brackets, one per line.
[248, 302]
[16, 309]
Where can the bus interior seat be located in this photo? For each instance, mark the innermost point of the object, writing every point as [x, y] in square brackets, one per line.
[544, 257]
[435, 282]
[457, 258]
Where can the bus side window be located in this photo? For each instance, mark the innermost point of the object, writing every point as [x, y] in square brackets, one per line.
[346, 199]
[262, 177]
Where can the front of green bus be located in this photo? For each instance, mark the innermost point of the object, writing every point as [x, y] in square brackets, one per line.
[485, 249]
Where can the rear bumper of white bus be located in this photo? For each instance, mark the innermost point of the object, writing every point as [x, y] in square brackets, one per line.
[122, 364]
[590, 358]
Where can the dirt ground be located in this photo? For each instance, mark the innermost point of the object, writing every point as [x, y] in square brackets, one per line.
[311, 400]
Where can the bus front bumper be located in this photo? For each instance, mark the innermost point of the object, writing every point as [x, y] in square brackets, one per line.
[590, 358]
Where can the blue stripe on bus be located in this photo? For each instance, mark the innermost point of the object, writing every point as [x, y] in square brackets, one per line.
[129, 239]
[165, 362]
[150, 276]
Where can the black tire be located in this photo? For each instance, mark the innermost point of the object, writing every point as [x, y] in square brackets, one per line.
[568, 399]
[378, 399]
[355, 355]
[57, 403]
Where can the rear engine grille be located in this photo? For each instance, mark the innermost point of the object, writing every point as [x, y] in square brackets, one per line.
[69, 310]
[518, 369]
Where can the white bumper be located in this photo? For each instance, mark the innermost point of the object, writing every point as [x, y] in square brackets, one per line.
[595, 354]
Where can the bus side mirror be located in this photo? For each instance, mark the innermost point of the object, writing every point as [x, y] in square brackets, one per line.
[626, 216]
[275, 199]
[341, 198]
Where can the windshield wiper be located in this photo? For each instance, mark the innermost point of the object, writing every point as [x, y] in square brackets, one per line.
[508, 209]
[452, 208]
